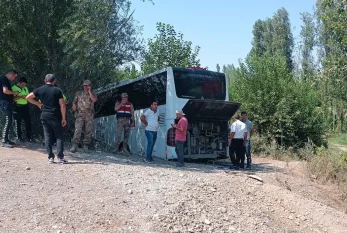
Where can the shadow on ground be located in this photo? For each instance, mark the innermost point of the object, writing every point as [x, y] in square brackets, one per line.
[206, 166]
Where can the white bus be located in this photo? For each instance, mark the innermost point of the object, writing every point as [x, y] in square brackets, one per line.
[201, 94]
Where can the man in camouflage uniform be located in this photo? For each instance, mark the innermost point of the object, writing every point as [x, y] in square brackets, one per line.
[125, 120]
[83, 105]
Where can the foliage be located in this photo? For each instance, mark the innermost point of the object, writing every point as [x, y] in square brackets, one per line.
[308, 42]
[73, 39]
[99, 36]
[168, 48]
[330, 166]
[274, 37]
[332, 19]
[281, 107]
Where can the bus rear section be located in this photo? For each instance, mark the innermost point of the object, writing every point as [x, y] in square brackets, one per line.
[208, 128]
[203, 97]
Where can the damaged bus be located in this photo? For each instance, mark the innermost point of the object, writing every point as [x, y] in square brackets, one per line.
[201, 94]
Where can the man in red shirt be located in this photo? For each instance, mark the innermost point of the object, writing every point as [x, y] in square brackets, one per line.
[180, 136]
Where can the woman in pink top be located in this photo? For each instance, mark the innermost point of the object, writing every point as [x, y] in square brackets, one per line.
[180, 136]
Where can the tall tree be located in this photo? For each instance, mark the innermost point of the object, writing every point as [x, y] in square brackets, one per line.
[273, 36]
[307, 34]
[332, 16]
[168, 48]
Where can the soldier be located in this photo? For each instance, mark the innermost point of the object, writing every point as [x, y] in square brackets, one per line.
[125, 120]
[83, 105]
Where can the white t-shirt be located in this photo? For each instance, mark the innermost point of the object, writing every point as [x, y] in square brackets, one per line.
[152, 120]
[239, 128]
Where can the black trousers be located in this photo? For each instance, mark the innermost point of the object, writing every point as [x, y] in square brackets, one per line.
[237, 153]
[6, 108]
[21, 112]
[53, 128]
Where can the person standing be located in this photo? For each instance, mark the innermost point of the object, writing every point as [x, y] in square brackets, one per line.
[6, 105]
[125, 120]
[238, 137]
[54, 140]
[180, 136]
[21, 110]
[53, 115]
[83, 105]
[151, 120]
[250, 132]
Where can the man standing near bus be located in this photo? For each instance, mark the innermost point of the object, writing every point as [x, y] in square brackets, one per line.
[125, 120]
[6, 105]
[21, 110]
[150, 119]
[238, 137]
[250, 132]
[83, 106]
[180, 136]
[53, 115]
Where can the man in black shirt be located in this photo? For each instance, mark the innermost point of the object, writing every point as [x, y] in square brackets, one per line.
[6, 104]
[53, 115]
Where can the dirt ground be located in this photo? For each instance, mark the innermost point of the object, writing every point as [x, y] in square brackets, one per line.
[100, 192]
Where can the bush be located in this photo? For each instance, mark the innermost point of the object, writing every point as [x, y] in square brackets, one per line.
[330, 166]
[282, 108]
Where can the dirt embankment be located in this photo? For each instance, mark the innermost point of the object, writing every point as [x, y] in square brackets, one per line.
[99, 192]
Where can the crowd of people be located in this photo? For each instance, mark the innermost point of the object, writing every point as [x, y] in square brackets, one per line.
[14, 103]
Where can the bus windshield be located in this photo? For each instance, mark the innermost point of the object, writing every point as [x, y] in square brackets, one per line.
[199, 84]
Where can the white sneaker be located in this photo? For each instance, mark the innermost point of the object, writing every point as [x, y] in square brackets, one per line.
[51, 160]
[62, 161]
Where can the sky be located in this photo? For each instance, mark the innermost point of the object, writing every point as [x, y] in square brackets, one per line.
[222, 28]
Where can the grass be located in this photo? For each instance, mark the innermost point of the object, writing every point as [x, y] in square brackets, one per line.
[339, 139]
[327, 165]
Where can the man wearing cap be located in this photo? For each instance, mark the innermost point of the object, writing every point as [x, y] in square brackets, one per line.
[21, 110]
[180, 136]
[125, 120]
[83, 105]
[53, 115]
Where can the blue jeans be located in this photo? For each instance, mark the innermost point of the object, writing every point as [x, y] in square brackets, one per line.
[151, 138]
[248, 153]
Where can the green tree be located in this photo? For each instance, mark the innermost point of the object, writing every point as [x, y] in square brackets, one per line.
[307, 35]
[99, 36]
[332, 18]
[73, 39]
[273, 36]
[282, 108]
[168, 48]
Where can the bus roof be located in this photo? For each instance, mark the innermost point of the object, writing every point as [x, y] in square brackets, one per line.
[120, 83]
[125, 82]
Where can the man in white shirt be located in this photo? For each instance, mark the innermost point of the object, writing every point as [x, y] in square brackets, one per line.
[238, 137]
[150, 119]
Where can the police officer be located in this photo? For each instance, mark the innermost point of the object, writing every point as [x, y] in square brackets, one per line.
[21, 110]
[125, 120]
[83, 105]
